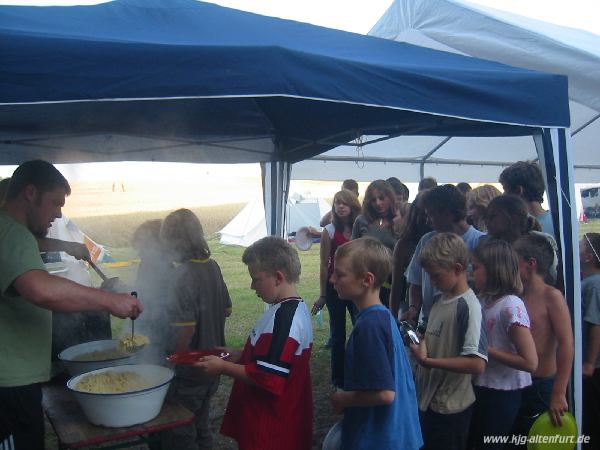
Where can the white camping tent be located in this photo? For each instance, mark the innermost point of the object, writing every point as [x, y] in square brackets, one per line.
[250, 225]
[472, 30]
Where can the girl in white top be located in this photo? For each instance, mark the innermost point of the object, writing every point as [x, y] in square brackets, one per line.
[511, 350]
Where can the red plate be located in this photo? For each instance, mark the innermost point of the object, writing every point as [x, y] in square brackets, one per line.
[193, 356]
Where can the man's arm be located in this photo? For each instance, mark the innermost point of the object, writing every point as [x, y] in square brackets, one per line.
[560, 319]
[75, 249]
[59, 294]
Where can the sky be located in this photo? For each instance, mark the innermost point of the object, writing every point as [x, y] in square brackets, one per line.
[360, 15]
[357, 16]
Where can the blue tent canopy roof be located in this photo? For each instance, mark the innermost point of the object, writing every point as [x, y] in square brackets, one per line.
[199, 77]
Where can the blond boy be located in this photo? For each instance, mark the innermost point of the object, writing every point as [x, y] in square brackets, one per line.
[454, 346]
[551, 330]
[270, 407]
[378, 400]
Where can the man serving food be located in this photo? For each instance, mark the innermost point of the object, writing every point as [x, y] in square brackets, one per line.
[28, 294]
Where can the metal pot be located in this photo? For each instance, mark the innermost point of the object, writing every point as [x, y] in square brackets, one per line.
[69, 355]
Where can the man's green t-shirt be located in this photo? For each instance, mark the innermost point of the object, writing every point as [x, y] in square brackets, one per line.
[25, 329]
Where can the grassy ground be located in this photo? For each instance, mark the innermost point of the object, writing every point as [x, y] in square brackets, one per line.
[593, 226]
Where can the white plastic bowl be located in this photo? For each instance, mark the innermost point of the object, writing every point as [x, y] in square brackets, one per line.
[127, 408]
[68, 356]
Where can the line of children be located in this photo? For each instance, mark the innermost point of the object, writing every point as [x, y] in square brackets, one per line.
[452, 355]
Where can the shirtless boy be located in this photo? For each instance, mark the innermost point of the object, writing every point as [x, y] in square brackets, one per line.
[551, 330]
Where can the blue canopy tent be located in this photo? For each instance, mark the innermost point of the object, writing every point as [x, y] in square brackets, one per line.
[179, 80]
[185, 81]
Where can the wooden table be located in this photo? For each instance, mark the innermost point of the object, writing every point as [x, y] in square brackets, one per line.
[75, 431]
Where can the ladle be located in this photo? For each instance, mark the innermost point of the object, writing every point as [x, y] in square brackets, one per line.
[130, 345]
[97, 269]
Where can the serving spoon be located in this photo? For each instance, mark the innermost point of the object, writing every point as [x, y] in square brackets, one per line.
[130, 344]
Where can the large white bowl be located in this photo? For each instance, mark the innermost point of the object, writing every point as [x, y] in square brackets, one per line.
[74, 367]
[127, 408]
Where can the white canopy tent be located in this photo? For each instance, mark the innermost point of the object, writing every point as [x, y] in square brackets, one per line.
[461, 27]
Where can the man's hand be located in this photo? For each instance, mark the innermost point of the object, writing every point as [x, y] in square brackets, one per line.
[77, 250]
[211, 365]
[125, 305]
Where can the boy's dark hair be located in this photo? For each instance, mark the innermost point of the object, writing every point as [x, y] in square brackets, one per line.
[515, 208]
[383, 186]
[527, 175]
[427, 183]
[464, 187]
[350, 184]
[182, 231]
[592, 242]
[444, 250]
[148, 233]
[41, 174]
[501, 264]
[400, 189]
[367, 254]
[538, 247]
[446, 198]
[271, 254]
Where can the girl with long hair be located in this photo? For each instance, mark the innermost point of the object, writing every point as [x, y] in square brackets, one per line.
[416, 226]
[344, 211]
[377, 221]
[511, 349]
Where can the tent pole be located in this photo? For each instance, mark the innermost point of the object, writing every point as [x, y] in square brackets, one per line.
[555, 155]
[276, 183]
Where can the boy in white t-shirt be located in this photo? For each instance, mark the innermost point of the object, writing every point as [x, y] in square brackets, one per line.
[454, 347]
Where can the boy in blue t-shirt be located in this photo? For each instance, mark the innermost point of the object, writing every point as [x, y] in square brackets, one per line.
[378, 400]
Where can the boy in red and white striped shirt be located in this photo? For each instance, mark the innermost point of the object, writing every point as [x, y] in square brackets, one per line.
[270, 406]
